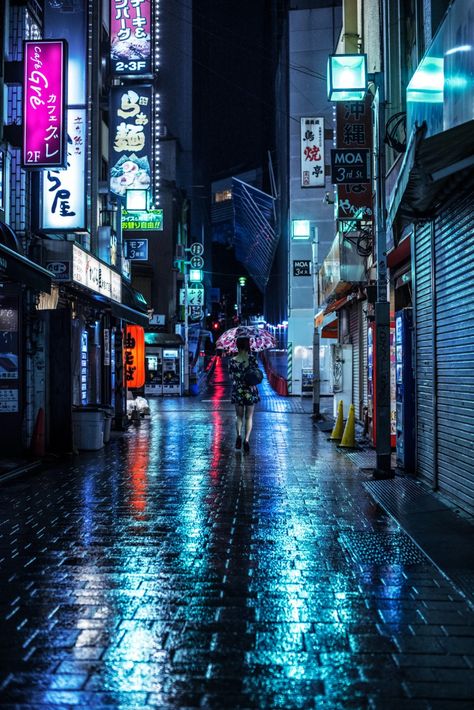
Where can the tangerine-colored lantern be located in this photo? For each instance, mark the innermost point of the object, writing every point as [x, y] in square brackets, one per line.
[134, 356]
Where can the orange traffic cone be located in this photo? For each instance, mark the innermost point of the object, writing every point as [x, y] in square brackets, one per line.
[336, 434]
[38, 439]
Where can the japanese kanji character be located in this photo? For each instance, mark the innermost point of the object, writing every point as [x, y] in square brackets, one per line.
[129, 137]
[354, 133]
[354, 108]
[62, 196]
[312, 153]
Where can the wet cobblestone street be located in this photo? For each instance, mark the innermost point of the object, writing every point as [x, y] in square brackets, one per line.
[170, 571]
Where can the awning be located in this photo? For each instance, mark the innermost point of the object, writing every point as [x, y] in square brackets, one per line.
[17, 267]
[255, 237]
[432, 169]
[164, 339]
[331, 330]
[130, 315]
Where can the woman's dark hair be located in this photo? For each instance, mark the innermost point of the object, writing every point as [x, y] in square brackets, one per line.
[243, 344]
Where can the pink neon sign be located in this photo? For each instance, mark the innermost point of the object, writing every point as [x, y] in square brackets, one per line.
[44, 129]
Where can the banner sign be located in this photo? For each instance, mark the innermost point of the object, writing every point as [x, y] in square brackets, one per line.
[312, 152]
[44, 130]
[350, 166]
[354, 130]
[130, 138]
[64, 191]
[130, 37]
[136, 249]
[150, 220]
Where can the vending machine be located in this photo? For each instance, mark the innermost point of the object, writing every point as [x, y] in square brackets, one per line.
[171, 371]
[371, 376]
[405, 389]
[153, 371]
[84, 366]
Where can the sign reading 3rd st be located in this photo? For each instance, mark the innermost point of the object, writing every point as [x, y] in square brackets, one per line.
[350, 166]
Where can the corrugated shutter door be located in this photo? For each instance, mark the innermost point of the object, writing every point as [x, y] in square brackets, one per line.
[365, 394]
[355, 340]
[455, 352]
[424, 353]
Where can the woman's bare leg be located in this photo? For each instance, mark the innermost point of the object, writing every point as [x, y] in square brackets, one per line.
[248, 421]
[239, 412]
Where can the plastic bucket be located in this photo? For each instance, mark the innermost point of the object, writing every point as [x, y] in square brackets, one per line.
[88, 429]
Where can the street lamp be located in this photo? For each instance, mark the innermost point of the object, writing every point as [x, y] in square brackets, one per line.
[347, 77]
[346, 74]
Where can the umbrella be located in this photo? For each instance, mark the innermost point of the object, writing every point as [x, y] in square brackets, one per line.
[260, 339]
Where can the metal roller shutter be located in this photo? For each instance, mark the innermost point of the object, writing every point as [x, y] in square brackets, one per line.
[455, 352]
[424, 356]
[365, 394]
[354, 326]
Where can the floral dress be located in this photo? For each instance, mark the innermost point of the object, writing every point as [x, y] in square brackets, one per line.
[242, 393]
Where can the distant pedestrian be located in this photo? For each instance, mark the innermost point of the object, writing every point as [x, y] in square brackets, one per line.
[244, 396]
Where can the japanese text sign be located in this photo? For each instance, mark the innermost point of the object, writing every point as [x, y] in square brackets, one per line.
[150, 220]
[301, 267]
[130, 138]
[350, 166]
[44, 129]
[354, 130]
[64, 191]
[195, 296]
[130, 36]
[136, 249]
[312, 152]
[134, 356]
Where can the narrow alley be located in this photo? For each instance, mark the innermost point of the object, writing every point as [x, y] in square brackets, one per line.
[170, 571]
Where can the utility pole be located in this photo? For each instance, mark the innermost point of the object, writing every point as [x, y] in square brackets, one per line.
[316, 366]
[186, 333]
[383, 448]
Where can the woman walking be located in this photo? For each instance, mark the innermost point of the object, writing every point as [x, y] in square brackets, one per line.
[244, 396]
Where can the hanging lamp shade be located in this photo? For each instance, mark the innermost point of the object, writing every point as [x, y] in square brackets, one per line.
[347, 77]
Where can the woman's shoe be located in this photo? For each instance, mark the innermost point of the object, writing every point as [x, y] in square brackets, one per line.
[246, 447]
[238, 443]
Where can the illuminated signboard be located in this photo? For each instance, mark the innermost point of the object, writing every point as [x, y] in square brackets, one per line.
[130, 138]
[134, 356]
[130, 37]
[92, 273]
[44, 130]
[63, 204]
[312, 152]
[142, 221]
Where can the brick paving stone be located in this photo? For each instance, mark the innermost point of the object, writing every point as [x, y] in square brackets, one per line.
[169, 571]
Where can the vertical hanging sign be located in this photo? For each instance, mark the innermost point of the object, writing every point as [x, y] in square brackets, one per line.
[130, 37]
[44, 92]
[64, 191]
[354, 131]
[130, 138]
[312, 152]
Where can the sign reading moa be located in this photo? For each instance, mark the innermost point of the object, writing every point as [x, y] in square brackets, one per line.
[350, 165]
